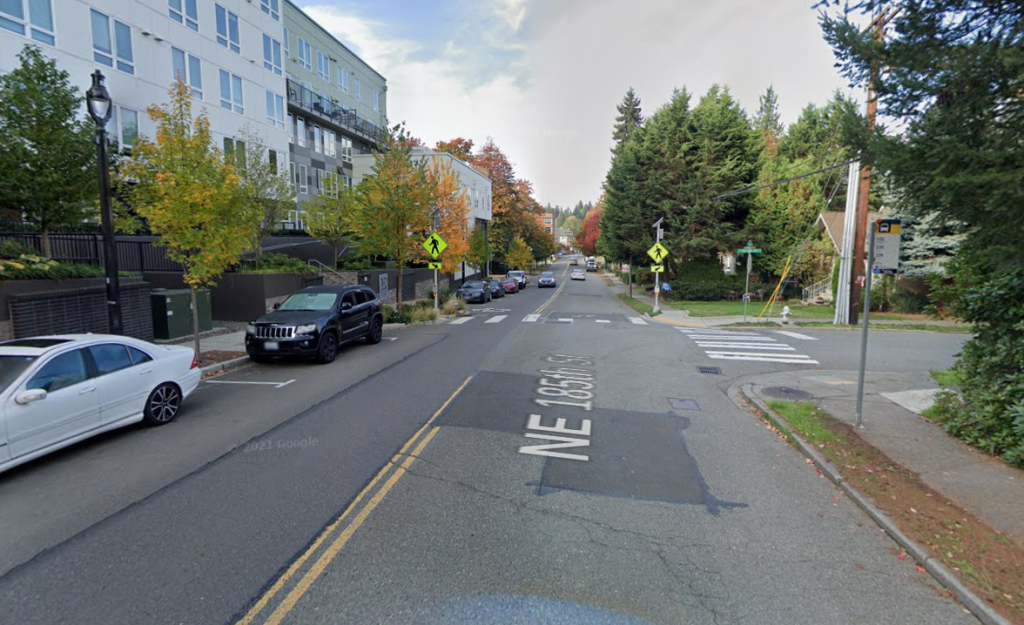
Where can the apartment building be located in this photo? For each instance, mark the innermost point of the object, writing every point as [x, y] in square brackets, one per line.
[218, 47]
[337, 106]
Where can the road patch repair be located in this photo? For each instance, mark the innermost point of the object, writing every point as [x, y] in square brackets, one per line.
[981, 567]
[587, 449]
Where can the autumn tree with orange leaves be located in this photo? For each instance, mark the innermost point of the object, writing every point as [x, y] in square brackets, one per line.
[460, 148]
[453, 206]
[586, 238]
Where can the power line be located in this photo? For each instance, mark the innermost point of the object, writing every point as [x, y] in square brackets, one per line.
[778, 182]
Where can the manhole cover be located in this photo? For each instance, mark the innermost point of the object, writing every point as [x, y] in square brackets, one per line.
[710, 370]
[784, 392]
[683, 404]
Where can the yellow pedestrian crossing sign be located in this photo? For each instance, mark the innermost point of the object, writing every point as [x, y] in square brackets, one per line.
[657, 268]
[435, 245]
[657, 252]
[434, 265]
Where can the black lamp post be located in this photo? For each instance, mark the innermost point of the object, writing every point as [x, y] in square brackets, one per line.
[100, 108]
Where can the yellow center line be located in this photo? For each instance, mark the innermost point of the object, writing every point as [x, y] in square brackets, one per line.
[250, 616]
[317, 569]
[550, 299]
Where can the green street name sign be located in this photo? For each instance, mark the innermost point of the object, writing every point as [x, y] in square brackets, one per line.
[749, 250]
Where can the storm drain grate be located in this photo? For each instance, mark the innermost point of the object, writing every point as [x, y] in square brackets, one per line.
[710, 370]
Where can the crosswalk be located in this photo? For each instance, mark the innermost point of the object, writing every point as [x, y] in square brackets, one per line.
[576, 319]
[748, 346]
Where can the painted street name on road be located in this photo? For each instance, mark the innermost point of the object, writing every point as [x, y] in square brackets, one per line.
[571, 383]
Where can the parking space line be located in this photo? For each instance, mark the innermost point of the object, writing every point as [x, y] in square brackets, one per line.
[255, 383]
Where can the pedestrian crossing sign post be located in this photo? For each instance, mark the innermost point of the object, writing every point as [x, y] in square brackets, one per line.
[433, 265]
[657, 268]
[435, 245]
[658, 253]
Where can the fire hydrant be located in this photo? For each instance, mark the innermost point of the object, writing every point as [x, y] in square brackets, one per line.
[786, 313]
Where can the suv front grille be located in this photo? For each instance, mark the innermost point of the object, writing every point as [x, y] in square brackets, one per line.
[275, 332]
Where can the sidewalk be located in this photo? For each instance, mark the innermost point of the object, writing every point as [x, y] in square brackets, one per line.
[977, 482]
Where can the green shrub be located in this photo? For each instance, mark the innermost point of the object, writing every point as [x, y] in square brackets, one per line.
[32, 267]
[989, 413]
[421, 314]
[273, 262]
[12, 248]
[393, 316]
[355, 264]
[451, 305]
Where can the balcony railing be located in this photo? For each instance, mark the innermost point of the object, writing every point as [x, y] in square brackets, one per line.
[330, 109]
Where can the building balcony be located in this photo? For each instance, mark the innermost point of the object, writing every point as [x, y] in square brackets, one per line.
[332, 112]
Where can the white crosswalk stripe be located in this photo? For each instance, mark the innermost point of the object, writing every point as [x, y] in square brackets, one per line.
[638, 321]
[796, 335]
[530, 318]
[460, 320]
[496, 319]
[747, 346]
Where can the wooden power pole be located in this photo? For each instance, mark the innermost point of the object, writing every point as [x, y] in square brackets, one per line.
[867, 163]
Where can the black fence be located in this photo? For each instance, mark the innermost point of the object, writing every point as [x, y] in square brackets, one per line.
[134, 253]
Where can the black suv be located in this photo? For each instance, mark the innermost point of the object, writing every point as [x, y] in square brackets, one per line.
[314, 322]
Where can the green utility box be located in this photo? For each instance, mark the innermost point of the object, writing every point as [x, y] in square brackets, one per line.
[172, 312]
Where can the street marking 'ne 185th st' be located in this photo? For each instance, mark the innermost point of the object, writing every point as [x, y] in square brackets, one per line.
[561, 442]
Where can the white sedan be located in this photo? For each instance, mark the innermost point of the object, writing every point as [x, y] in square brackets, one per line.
[577, 274]
[58, 390]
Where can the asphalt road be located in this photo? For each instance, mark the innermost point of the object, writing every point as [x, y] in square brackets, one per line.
[411, 482]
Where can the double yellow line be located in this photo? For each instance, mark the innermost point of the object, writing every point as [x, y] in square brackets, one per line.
[400, 463]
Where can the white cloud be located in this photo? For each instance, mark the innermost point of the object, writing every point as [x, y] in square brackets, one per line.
[550, 94]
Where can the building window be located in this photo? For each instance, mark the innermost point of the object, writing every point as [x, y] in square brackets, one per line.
[184, 12]
[323, 66]
[319, 182]
[376, 101]
[188, 69]
[303, 180]
[227, 29]
[273, 159]
[300, 131]
[291, 174]
[287, 52]
[236, 151]
[271, 8]
[272, 54]
[330, 143]
[110, 39]
[32, 18]
[231, 92]
[343, 79]
[331, 183]
[305, 54]
[275, 110]
[359, 95]
[346, 149]
[291, 128]
[317, 139]
[123, 126]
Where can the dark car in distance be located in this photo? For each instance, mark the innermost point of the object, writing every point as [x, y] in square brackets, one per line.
[474, 291]
[497, 290]
[511, 285]
[314, 322]
[547, 278]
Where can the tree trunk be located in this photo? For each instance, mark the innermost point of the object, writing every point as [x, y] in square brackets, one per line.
[398, 289]
[631, 275]
[259, 252]
[44, 241]
[335, 264]
[195, 320]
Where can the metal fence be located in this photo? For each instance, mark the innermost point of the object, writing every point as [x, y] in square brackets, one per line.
[134, 253]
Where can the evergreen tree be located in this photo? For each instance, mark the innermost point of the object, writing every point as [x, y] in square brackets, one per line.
[628, 120]
[768, 123]
[48, 159]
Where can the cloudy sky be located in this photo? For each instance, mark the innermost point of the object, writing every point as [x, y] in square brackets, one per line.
[542, 77]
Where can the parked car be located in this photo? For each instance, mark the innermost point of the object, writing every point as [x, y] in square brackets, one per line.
[497, 290]
[58, 390]
[474, 291]
[520, 276]
[547, 278]
[511, 285]
[577, 274]
[314, 322]
[591, 265]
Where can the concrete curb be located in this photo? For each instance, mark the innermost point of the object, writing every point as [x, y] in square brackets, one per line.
[985, 613]
[227, 365]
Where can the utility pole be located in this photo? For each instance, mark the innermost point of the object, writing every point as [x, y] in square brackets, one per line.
[867, 162]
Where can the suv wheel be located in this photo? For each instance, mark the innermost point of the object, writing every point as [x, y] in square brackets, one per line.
[376, 331]
[328, 348]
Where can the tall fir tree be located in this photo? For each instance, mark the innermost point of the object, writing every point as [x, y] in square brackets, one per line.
[627, 121]
[768, 123]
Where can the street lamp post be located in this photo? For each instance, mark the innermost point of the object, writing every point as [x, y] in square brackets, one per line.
[99, 104]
